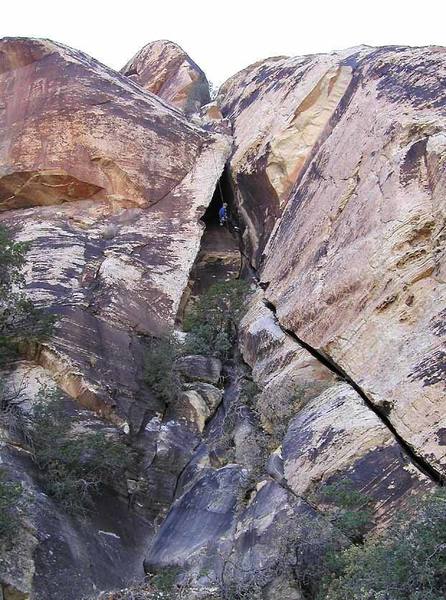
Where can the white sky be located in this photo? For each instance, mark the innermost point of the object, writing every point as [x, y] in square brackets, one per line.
[223, 37]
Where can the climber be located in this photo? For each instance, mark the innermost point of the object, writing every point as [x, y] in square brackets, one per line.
[223, 214]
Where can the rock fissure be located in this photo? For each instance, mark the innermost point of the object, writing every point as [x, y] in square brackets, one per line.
[424, 466]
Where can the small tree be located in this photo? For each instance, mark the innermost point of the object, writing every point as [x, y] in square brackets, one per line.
[75, 465]
[277, 408]
[407, 562]
[20, 322]
[351, 511]
[159, 372]
[213, 321]
[19, 319]
[10, 493]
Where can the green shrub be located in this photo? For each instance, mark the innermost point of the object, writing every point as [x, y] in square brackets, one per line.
[75, 466]
[407, 562]
[212, 323]
[159, 373]
[352, 511]
[161, 586]
[164, 581]
[20, 321]
[10, 493]
[249, 391]
[277, 408]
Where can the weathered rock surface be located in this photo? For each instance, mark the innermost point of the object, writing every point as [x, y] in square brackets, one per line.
[55, 555]
[164, 69]
[196, 404]
[328, 432]
[338, 175]
[339, 171]
[209, 509]
[199, 368]
[108, 183]
[288, 376]
[337, 437]
[279, 109]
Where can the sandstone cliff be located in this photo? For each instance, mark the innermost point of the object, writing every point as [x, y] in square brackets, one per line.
[108, 184]
[335, 175]
[341, 158]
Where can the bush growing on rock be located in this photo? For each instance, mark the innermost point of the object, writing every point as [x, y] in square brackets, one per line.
[161, 586]
[408, 562]
[159, 373]
[351, 511]
[10, 493]
[213, 322]
[277, 409]
[75, 465]
[20, 321]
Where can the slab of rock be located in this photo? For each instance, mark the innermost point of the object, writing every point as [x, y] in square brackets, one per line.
[288, 376]
[108, 183]
[336, 437]
[332, 433]
[198, 521]
[168, 447]
[211, 395]
[195, 404]
[164, 69]
[199, 368]
[190, 408]
[339, 170]
[280, 108]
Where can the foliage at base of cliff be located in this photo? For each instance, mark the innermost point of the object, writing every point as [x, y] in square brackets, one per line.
[408, 562]
[212, 323]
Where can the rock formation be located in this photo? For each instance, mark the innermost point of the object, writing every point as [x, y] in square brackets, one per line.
[337, 172]
[349, 152]
[335, 176]
[108, 184]
[164, 69]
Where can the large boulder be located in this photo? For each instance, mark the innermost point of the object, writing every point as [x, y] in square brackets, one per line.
[339, 170]
[164, 69]
[199, 522]
[108, 184]
[199, 368]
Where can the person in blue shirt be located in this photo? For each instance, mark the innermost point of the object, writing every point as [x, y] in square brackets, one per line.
[223, 214]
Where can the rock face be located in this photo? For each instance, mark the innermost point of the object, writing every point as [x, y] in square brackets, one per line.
[164, 69]
[339, 171]
[337, 174]
[263, 502]
[108, 184]
[55, 555]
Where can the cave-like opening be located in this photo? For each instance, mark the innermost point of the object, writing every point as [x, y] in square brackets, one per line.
[219, 257]
[222, 193]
